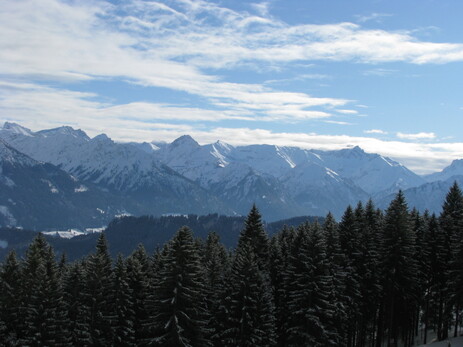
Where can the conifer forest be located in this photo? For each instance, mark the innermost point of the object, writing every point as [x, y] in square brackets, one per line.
[375, 278]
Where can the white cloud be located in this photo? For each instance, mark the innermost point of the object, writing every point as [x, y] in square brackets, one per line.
[378, 72]
[417, 136]
[82, 37]
[347, 111]
[375, 131]
[169, 44]
[337, 122]
[29, 100]
[39, 107]
[302, 77]
[372, 17]
[57, 40]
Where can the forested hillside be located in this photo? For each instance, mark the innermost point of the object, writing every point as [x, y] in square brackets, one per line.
[124, 234]
[375, 278]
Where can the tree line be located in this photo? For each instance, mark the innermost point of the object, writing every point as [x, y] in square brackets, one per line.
[376, 278]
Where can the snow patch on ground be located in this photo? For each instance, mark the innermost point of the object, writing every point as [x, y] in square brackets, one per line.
[94, 230]
[8, 181]
[80, 189]
[454, 342]
[120, 215]
[53, 189]
[6, 212]
[70, 233]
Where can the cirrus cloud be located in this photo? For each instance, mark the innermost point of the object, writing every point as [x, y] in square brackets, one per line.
[417, 136]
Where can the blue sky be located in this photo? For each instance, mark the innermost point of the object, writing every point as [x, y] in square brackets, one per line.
[328, 74]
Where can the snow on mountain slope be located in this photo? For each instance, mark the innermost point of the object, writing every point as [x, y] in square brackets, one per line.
[40, 195]
[371, 172]
[454, 169]
[184, 176]
[320, 190]
[99, 160]
[235, 182]
[273, 177]
[12, 156]
[273, 160]
[429, 196]
[240, 186]
[201, 164]
[117, 167]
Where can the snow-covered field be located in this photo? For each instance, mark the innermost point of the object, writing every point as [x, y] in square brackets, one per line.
[453, 342]
[70, 233]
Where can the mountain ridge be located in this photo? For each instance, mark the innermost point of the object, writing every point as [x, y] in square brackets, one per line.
[186, 177]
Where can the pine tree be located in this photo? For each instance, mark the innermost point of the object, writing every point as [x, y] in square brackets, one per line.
[41, 297]
[10, 297]
[99, 279]
[451, 223]
[139, 280]
[256, 238]
[311, 320]
[5, 338]
[349, 238]
[75, 302]
[249, 319]
[399, 272]
[124, 334]
[367, 268]
[216, 264]
[426, 245]
[179, 295]
[335, 262]
[277, 267]
[280, 245]
[159, 264]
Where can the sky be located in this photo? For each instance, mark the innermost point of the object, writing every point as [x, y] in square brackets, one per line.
[386, 75]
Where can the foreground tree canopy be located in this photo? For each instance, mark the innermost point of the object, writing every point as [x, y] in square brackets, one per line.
[373, 279]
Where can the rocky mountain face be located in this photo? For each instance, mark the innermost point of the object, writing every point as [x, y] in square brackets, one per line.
[39, 195]
[185, 177]
[145, 185]
[286, 181]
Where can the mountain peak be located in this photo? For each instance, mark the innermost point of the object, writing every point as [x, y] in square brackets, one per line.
[17, 129]
[357, 149]
[454, 169]
[102, 138]
[457, 163]
[65, 130]
[185, 140]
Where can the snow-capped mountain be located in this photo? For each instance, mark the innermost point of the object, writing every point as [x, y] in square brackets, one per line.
[39, 195]
[373, 173]
[429, 196]
[454, 169]
[285, 179]
[320, 190]
[186, 177]
[116, 167]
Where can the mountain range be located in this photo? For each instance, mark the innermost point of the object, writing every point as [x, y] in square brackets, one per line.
[59, 178]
